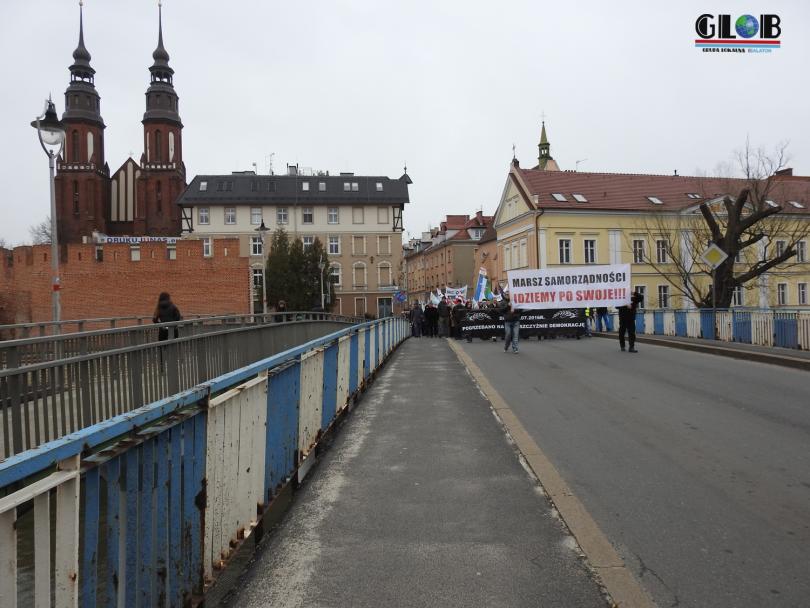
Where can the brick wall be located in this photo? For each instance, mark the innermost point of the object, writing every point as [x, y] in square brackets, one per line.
[118, 286]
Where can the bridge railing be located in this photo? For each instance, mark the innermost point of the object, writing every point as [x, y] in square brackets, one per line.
[17, 331]
[168, 492]
[44, 401]
[765, 327]
[39, 349]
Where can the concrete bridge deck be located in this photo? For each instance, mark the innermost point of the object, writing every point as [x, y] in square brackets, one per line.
[420, 501]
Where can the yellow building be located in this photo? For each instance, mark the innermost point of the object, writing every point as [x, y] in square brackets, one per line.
[547, 217]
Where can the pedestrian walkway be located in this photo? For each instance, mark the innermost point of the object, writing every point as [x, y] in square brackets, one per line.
[764, 354]
[420, 501]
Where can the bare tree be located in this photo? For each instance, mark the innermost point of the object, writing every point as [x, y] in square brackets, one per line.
[41, 233]
[743, 218]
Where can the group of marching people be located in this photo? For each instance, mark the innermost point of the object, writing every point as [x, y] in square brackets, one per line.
[442, 320]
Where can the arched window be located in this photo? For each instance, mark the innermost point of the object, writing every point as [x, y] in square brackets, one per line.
[158, 146]
[75, 143]
[76, 198]
[335, 273]
[359, 274]
[159, 197]
[384, 274]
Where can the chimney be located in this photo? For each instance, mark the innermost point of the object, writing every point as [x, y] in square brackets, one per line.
[785, 171]
[516, 162]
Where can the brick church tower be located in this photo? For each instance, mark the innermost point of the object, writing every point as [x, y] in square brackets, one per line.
[83, 177]
[162, 172]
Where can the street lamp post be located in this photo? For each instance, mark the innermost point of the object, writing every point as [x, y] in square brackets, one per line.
[321, 266]
[262, 230]
[51, 133]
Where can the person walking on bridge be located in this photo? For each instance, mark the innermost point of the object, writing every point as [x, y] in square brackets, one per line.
[417, 316]
[166, 312]
[627, 321]
[511, 325]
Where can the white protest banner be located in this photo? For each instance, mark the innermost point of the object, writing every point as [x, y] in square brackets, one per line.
[570, 287]
[456, 292]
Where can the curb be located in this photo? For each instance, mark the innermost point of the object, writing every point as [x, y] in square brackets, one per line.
[621, 585]
[722, 351]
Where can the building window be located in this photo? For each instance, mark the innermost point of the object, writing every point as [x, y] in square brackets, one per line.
[357, 215]
[321, 186]
[305, 186]
[355, 187]
[171, 252]
[334, 273]
[203, 186]
[590, 251]
[207, 251]
[230, 215]
[663, 296]
[358, 245]
[256, 216]
[334, 245]
[256, 247]
[257, 282]
[565, 251]
[737, 296]
[75, 198]
[158, 146]
[359, 275]
[281, 216]
[202, 216]
[382, 215]
[379, 187]
[159, 197]
[135, 253]
[271, 186]
[802, 288]
[642, 291]
[75, 150]
[507, 257]
[384, 245]
[780, 248]
[219, 186]
[333, 216]
[359, 306]
[801, 251]
[781, 294]
[638, 251]
[254, 185]
[384, 274]
[308, 215]
[228, 186]
[347, 186]
[524, 261]
[662, 251]
[307, 241]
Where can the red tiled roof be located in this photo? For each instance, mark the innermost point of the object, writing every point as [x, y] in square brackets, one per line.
[629, 192]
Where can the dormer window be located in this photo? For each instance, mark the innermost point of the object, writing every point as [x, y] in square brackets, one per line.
[655, 200]
[580, 198]
[797, 204]
[559, 197]
[203, 186]
[379, 187]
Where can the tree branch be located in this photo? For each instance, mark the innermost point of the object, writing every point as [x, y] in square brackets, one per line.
[711, 221]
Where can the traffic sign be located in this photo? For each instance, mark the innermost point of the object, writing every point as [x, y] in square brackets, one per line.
[714, 256]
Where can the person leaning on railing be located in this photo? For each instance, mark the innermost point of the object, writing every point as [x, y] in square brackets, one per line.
[166, 312]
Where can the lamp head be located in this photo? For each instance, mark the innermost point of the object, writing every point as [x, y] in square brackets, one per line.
[51, 130]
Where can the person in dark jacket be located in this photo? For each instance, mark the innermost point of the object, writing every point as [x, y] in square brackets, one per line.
[417, 316]
[166, 312]
[511, 325]
[281, 307]
[444, 319]
[627, 321]
[432, 320]
[458, 314]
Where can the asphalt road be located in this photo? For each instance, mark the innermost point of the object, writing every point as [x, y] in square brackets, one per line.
[696, 467]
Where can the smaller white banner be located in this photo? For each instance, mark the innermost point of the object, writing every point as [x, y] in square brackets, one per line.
[456, 292]
[570, 287]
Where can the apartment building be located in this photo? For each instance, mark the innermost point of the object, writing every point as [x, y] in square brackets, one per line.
[357, 218]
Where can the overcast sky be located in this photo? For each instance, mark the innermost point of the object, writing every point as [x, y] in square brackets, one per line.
[448, 86]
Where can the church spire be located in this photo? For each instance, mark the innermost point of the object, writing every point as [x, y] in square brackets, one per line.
[81, 98]
[161, 98]
[544, 149]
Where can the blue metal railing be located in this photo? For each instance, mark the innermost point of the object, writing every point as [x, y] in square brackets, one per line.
[171, 488]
